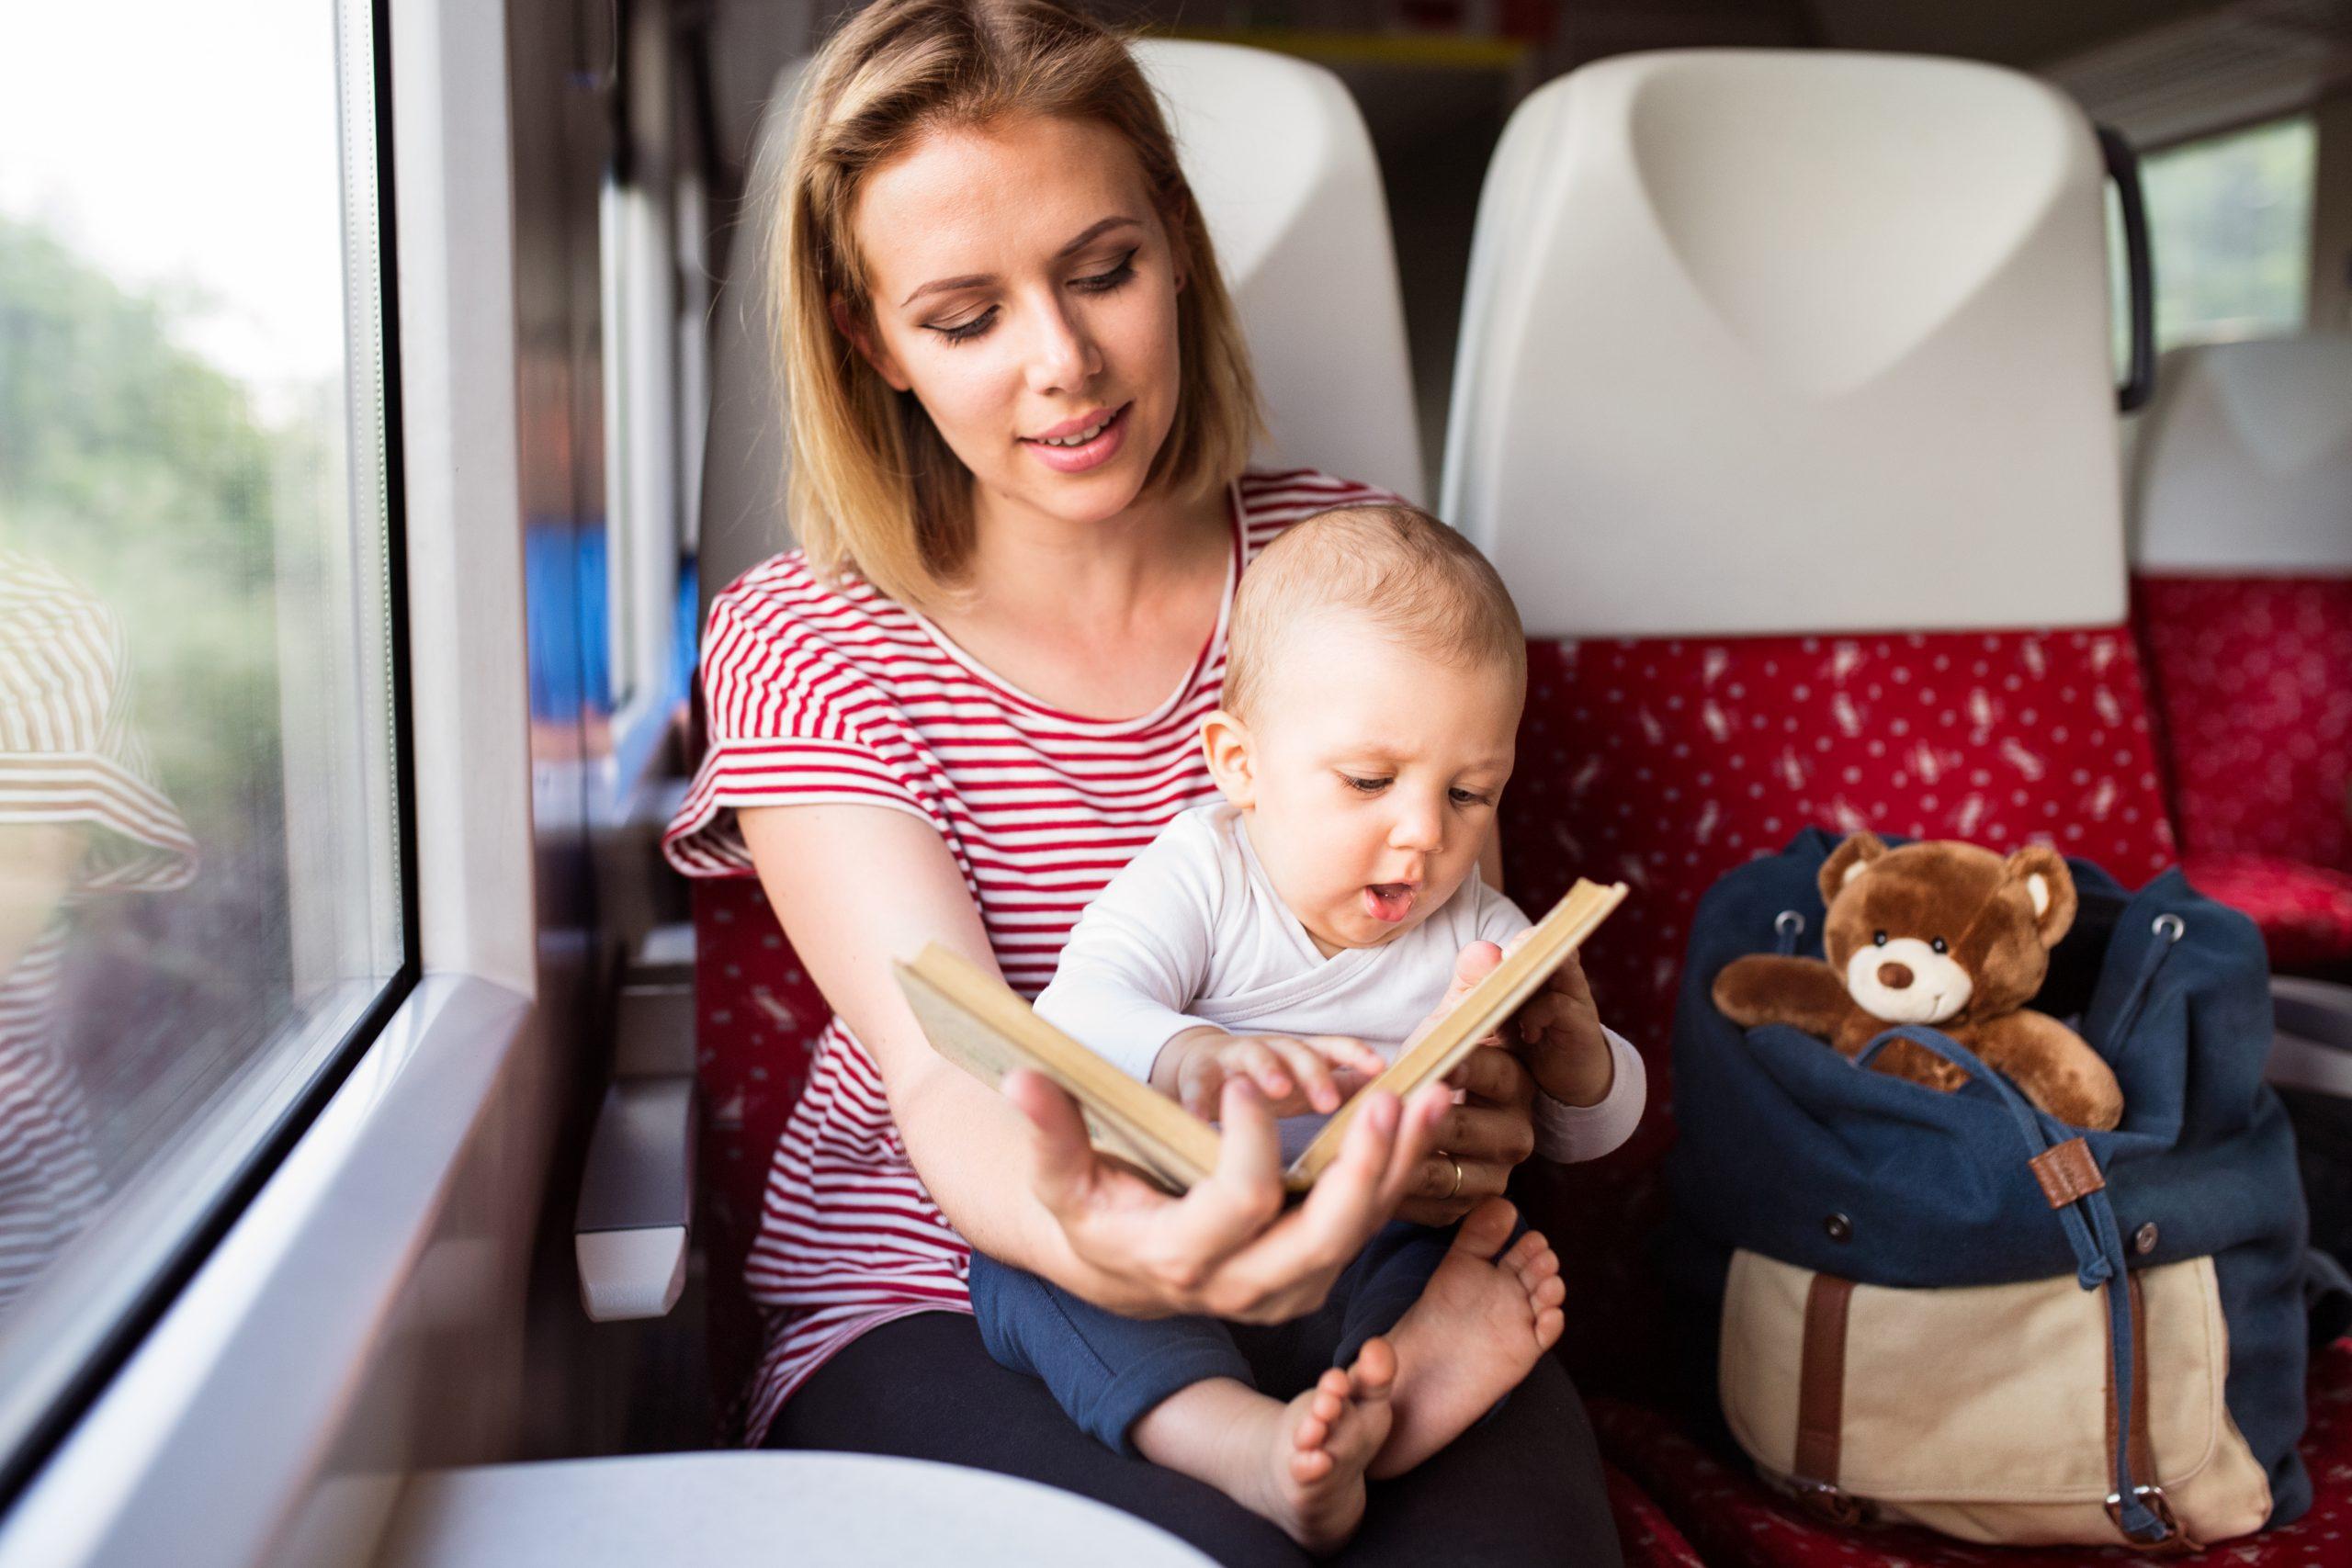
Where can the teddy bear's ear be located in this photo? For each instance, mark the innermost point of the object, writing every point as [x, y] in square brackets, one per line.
[1846, 861]
[2049, 884]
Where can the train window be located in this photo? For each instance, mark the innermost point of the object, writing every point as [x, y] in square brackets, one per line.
[201, 884]
[2230, 225]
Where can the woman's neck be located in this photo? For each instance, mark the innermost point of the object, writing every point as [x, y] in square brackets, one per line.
[1026, 567]
[1101, 619]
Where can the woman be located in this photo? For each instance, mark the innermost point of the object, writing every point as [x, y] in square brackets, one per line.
[1020, 412]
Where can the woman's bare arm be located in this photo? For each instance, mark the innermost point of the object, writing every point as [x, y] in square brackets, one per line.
[856, 887]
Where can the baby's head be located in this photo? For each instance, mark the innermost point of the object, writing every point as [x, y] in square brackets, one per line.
[1375, 670]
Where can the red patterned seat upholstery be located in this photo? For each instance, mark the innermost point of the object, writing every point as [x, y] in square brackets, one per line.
[2241, 544]
[2253, 677]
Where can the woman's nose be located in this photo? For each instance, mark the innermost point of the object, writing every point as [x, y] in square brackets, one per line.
[1062, 357]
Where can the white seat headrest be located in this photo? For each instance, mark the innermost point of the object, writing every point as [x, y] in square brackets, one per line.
[1281, 163]
[2244, 459]
[1763, 342]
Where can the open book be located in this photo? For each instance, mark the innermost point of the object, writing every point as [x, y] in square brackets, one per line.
[977, 1021]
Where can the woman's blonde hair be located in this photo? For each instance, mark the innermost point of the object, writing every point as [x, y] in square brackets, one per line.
[874, 486]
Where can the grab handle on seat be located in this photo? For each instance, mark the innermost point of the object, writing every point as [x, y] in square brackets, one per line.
[2123, 169]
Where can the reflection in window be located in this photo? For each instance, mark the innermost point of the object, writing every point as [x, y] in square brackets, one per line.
[199, 886]
[2230, 225]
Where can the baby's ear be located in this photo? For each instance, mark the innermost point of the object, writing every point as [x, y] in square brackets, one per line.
[2049, 886]
[1846, 861]
[1224, 741]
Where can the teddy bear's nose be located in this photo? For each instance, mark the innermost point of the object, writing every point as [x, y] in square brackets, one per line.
[1894, 976]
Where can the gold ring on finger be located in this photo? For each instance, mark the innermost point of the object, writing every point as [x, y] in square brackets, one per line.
[1456, 1190]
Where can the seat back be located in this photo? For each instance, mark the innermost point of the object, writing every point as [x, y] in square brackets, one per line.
[1783, 406]
[1810, 322]
[2242, 546]
[1279, 159]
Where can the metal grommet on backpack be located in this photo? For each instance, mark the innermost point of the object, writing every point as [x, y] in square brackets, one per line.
[2015, 1331]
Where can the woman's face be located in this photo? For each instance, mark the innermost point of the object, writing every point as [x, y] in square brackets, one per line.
[1025, 290]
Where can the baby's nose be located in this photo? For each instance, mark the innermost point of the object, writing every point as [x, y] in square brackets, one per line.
[1894, 976]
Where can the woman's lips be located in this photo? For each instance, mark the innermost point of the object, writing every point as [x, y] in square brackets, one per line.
[1092, 453]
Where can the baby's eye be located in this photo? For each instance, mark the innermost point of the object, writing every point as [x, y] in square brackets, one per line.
[1880, 938]
[1469, 797]
[1364, 786]
[1939, 945]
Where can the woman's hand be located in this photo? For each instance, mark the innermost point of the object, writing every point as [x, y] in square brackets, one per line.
[1491, 1130]
[1295, 1073]
[1227, 1248]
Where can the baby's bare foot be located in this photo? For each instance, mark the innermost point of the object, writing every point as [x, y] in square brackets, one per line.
[1478, 1330]
[1312, 1480]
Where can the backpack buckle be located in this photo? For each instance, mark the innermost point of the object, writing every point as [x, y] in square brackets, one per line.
[2173, 1540]
[1826, 1502]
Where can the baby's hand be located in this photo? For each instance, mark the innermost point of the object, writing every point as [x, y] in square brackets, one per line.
[1295, 1073]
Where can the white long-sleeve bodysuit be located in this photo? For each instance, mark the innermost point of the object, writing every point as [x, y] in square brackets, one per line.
[1192, 933]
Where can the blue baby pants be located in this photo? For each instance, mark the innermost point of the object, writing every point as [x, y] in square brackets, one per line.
[1107, 1371]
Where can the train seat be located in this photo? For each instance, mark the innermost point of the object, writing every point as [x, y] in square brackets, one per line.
[1783, 405]
[2242, 546]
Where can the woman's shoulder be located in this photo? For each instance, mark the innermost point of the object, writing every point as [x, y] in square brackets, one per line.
[1274, 499]
[785, 605]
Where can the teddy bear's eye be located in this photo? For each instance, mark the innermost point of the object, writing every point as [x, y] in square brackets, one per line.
[1940, 945]
[1879, 939]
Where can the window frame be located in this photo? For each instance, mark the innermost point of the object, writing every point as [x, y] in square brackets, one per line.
[64, 1399]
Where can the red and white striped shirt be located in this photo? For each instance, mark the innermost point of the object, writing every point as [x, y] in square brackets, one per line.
[823, 694]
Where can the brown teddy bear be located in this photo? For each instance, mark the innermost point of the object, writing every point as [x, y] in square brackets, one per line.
[1940, 933]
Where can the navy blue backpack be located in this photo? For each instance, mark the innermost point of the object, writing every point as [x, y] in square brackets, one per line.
[1916, 1325]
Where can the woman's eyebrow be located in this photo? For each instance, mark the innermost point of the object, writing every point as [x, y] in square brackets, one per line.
[979, 279]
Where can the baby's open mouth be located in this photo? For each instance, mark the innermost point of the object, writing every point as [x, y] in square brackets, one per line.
[1388, 901]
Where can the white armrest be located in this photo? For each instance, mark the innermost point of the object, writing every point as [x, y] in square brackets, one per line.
[636, 1199]
[2312, 1048]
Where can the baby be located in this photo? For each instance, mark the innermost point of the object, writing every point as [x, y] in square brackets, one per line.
[1291, 935]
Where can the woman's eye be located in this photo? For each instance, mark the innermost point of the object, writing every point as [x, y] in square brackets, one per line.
[1364, 786]
[1879, 938]
[963, 332]
[1104, 282]
[1939, 945]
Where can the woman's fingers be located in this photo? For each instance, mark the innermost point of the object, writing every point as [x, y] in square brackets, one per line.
[1496, 1076]
[1061, 1158]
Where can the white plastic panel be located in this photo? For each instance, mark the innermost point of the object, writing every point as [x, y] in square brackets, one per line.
[2244, 460]
[760, 1510]
[1283, 168]
[1763, 341]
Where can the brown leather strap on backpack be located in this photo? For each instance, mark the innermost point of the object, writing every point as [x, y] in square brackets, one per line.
[1820, 1402]
[2142, 1447]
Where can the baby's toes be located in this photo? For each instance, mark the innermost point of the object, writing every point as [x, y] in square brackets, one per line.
[1485, 1228]
[1524, 1252]
[1374, 1370]
[1546, 1294]
[1549, 1323]
[1310, 1465]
